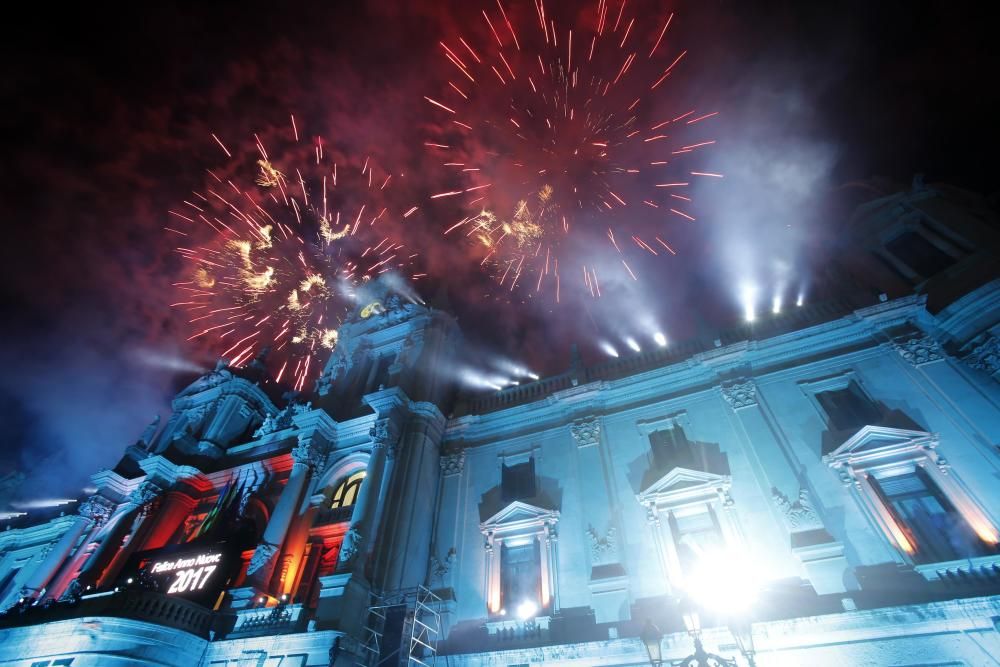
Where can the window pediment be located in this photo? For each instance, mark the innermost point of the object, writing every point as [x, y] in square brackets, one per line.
[879, 442]
[682, 484]
[518, 515]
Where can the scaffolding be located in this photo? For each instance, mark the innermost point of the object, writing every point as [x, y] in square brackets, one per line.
[418, 632]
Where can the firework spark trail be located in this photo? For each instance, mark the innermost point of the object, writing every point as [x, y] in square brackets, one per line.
[561, 127]
[280, 274]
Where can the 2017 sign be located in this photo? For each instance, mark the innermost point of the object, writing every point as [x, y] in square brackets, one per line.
[198, 574]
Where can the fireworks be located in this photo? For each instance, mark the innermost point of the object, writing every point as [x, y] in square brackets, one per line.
[558, 132]
[274, 264]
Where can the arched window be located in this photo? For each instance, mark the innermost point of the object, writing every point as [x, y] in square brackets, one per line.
[346, 492]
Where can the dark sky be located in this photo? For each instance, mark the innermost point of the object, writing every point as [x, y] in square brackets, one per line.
[106, 121]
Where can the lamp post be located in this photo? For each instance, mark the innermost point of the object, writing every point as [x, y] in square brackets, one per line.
[742, 632]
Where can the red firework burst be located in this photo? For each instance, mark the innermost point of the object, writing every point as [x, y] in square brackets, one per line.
[558, 133]
[278, 246]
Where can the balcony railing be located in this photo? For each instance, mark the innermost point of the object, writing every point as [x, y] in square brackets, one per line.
[137, 605]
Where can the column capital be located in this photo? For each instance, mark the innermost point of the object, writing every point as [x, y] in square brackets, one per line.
[97, 508]
[383, 433]
[918, 348]
[741, 393]
[586, 432]
[985, 356]
[145, 493]
[453, 463]
[310, 451]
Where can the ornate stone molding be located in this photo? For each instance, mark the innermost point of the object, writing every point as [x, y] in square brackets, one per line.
[985, 356]
[453, 464]
[586, 432]
[741, 393]
[440, 568]
[603, 550]
[97, 508]
[351, 545]
[146, 493]
[800, 514]
[262, 555]
[918, 349]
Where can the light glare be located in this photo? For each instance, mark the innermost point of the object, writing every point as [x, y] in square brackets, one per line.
[526, 610]
[609, 349]
[631, 342]
[660, 339]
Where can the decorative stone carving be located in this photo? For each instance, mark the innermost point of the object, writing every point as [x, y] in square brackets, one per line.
[212, 379]
[262, 555]
[283, 419]
[919, 349]
[800, 514]
[72, 592]
[586, 432]
[96, 508]
[453, 464]
[351, 545]
[383, 434]
[307, 452]
[146, 493]
[740, 394]
[441, 568]
[985, 356]
[603, 550]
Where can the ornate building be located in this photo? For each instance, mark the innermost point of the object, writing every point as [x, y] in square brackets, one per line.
[841, 460]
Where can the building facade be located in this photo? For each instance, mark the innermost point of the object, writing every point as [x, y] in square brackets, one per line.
[841, 460]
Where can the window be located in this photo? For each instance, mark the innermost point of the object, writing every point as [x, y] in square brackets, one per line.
[346, 492]
[935, 531]
[917, 502]
[696, 532]
[671, 448]
[919, 254]
[520, 579]
[517, 482]
[691, 516]
[848, 408]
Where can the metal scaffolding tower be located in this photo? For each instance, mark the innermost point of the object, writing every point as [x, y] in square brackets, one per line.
[418, 633]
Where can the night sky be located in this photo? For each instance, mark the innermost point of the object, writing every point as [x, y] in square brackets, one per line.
[107, 118]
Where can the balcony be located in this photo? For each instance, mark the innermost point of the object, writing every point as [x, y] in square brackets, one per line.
[170, 612]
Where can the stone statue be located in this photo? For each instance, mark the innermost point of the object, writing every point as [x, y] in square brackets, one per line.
[146, 439]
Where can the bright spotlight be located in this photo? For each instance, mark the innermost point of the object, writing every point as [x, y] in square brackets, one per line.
[724, 582]
[660, 339]
[800, 300]
[609, 349]
[776, 304]
[748, 294]
[526, 610]
[632, 344]
[534, 376]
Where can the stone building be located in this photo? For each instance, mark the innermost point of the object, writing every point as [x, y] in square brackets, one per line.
[841, 460]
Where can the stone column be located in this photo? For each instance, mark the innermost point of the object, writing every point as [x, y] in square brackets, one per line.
[443, 546]
[406, 536]
[550, 567]
[50, 563]
[146, 500]
[174, 509]
[363, 516]
[391, 452]
[306, 455]
[98, 510]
